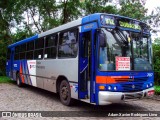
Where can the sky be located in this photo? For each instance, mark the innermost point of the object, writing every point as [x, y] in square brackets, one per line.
[151, 4]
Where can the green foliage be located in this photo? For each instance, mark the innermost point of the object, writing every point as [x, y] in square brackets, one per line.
[21, 34]
[156, 60]
[133, 10]
[4, 79]
[10, 14]
[71, 10]
[98, 6]
[47, 13]
[3, 50]
[157, 90]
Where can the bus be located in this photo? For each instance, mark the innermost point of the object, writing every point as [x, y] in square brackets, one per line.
[99, 59]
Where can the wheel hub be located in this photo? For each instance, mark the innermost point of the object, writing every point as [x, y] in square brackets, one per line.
[64, 92]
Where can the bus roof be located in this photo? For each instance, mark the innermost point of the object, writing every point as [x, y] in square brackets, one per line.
[23, 41]
[61, 27]
[48, 32]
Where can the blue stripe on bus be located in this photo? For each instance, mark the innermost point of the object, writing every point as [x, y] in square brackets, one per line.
[23, 41]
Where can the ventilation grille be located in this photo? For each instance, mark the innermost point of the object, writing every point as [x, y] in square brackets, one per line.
[140, 79]
[132, 87]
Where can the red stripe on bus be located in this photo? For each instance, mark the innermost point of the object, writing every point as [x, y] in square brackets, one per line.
[110, 79]
[21, 72]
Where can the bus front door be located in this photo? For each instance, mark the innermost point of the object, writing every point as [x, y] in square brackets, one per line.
[85, 67]
[84, 75]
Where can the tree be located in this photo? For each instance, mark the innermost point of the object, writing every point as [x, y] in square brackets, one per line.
[98, 6]
[133, 9]
[10, 15]
[47, 14]
[156, 60]
[154, 20]
[70, 9]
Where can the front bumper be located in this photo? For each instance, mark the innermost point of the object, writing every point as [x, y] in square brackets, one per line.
[106, 97]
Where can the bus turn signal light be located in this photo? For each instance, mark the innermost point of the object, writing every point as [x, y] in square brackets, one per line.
[101, 87]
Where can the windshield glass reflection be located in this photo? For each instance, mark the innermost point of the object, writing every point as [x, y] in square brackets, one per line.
[129, 47]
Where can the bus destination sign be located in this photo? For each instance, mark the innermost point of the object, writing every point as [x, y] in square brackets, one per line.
[132, 25]
[121, 22]
[109, 21]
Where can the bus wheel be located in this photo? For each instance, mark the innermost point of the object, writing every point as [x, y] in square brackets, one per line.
[65, 93]
[19, 83]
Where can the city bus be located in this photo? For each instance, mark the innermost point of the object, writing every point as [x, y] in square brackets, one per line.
[99, 59]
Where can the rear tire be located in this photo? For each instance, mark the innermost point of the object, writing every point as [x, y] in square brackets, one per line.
[65, 93]
[19, 83]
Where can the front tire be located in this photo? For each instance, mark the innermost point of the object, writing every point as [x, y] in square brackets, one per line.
[19, 83]
[65, 93]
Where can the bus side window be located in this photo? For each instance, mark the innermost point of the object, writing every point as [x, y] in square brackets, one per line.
[23, 48]
[22, 54]
[8, 54]
[17, 49]
[38, 54]
[30, 46]
[30, 50]
[50, 46]
[16, 55]
[39, 43]
[68, 45]
[29, 55]
[39, 46]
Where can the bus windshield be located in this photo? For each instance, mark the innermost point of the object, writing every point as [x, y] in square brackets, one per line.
[124, 50]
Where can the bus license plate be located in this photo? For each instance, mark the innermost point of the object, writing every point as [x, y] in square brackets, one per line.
[150, 93]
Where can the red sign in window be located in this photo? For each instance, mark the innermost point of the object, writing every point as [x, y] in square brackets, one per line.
[122, 63]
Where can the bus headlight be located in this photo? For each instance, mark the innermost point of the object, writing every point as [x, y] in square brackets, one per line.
[115, 88]
[151, 84]
[147, 86]
[109, 87]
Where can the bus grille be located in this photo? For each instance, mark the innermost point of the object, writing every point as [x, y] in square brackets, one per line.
[140, 79]
[132, 87]
[133, 96]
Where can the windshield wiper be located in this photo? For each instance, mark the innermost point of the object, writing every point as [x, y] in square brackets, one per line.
[123, 40]
[122, 36]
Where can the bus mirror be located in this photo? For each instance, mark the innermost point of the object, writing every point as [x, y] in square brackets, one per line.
[102, 40]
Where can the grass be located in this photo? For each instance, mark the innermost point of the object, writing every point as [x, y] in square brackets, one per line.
[157, 90]
[4, 79]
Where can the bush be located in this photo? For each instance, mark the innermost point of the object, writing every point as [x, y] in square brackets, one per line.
[4, 79]
[156, 61]
[157, 78]
[157, 90]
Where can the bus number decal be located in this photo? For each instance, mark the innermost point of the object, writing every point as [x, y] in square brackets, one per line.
[75, 87]
[149, 74]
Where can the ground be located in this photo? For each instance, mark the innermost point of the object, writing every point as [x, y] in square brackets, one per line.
[13, 98]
